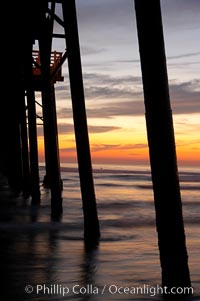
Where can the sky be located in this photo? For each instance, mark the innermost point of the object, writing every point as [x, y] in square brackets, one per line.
[113, 84]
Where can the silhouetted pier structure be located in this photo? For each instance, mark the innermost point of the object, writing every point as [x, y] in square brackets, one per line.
[39, 71]
[162, 150]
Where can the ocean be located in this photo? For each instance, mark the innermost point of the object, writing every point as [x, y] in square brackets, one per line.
[47, 260]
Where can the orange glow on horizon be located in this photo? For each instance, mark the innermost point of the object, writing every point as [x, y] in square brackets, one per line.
[128, 143]
[115, 156]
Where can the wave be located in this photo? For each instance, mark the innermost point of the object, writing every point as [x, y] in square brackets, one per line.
[110, 184]
[189, 177]
[182, 187]
[77, 225]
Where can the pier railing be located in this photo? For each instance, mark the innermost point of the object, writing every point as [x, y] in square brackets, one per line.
[55, 59]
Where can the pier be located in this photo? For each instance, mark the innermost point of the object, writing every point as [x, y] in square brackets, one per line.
[39, 71]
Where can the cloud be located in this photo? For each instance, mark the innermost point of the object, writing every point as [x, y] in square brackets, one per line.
[95, 14]
[67, 149]
[88, 50]
[105, 147]
[103, 12]
[104, 79]
[181, 13]
[185, 97]
[169, 58]
[63, 128]
[181, 143]
[104, 87]
[67, 128]
[93, 129]
[110, 110]
[192, 6]
[184, 55]
[109, 96]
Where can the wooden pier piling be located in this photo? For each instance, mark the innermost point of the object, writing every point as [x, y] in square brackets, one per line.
[162, 149]
[91, 223]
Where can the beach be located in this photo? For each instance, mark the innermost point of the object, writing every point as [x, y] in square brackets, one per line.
[43, 259]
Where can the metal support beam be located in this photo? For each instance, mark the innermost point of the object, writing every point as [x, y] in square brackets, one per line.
[162, 149]
[59, 66]
[50, 118]
[91, 224]
[24, 145]
[32, 128]
[52, 150]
